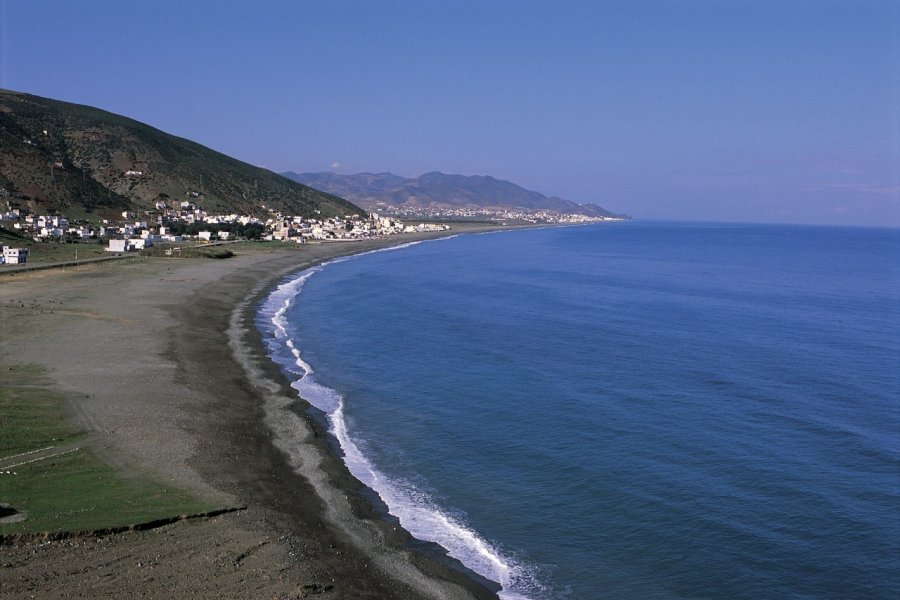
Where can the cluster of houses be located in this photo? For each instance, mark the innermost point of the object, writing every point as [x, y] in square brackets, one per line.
[173, 224]
[43, 226]
[293, 229]
[298, 229]
[469, 213]
[185, 221]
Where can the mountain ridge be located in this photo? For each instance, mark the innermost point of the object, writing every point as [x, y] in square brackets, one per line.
[440, 190]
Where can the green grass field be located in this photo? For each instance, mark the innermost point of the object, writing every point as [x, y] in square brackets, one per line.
[30, 417]
[68, 487]
[77, 491]
[50, 252]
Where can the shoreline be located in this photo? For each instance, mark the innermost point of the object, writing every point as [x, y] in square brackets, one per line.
[350, 507]
[459, 543]
[217, 422]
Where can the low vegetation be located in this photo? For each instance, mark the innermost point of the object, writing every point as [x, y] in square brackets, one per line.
[214, 252]
[76, 491]
[30, 418]
[49, 475]
[49, 252]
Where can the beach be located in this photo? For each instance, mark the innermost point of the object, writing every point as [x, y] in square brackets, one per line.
[159, 360]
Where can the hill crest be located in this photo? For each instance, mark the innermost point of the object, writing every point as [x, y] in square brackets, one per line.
[61, 157]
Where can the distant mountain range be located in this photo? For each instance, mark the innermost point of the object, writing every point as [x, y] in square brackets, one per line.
[374, 191]
[79, 160]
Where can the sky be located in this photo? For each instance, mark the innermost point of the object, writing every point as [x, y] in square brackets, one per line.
[727, 110]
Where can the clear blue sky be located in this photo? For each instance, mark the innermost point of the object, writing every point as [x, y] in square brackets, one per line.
[714, 110]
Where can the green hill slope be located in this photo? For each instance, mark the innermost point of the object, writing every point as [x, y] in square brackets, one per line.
[58, 156]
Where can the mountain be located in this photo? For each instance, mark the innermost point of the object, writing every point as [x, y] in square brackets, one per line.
[77, 160]
[439, 190]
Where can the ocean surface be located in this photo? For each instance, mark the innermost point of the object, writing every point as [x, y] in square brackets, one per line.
[621, 410]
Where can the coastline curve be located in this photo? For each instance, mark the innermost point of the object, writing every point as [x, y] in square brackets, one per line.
[417, 513]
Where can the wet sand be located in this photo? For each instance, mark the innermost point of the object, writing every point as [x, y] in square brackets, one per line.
[159, 359]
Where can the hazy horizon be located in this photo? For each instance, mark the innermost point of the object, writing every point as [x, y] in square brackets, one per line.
[777, 112]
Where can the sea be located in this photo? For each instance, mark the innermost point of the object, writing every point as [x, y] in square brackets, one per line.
[624, 409]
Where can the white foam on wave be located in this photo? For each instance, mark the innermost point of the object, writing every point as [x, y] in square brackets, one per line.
[415, 509]
[425, 520]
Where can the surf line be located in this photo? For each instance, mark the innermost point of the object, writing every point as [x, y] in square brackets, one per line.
[415, 510]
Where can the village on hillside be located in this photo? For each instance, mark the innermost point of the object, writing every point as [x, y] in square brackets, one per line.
[187, 222]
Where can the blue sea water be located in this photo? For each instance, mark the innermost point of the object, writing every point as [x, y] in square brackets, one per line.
[622, 410]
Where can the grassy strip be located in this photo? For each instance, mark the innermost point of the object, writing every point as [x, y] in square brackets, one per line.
[214, 252]
[31, 417]
[71, 491]
[14, 538]
[77, 491]
[49, 252]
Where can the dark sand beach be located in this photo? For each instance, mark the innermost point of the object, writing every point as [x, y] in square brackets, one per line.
[160, 361]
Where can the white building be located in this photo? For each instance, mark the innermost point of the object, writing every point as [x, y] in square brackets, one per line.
[51, 232]
[120, 246]
[15, 256]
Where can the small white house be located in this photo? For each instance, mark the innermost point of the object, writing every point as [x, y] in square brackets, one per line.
[224, 235]
[120, 246]
[15, 256]
[205, 235]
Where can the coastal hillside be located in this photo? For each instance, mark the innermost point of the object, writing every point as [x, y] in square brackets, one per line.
[62, 157]
[12, 238]
[440, 190]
